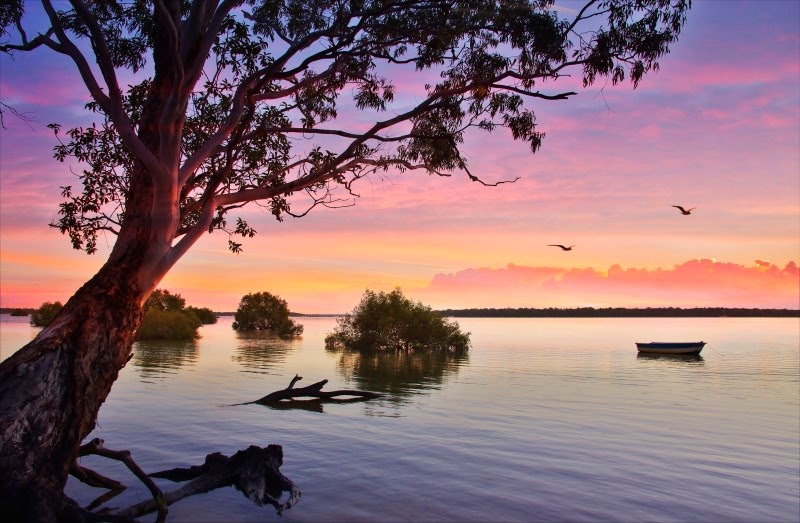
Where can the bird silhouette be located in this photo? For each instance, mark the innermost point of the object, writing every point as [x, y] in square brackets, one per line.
[685, 212]
[562, 247]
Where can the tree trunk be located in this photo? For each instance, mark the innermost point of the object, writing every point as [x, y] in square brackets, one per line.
[51, 391]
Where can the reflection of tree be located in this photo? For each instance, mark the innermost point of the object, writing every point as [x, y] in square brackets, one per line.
[156, 358]
[399, 374]
[260, 351]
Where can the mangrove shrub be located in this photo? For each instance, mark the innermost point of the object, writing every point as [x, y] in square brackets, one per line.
[44, 315]
[166, 317]
[265, 311]
[204, 314]
[168, 325]
[391, 322]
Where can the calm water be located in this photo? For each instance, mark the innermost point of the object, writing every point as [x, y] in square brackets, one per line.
[545, 420]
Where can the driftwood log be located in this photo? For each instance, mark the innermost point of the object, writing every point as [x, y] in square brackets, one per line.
[254, 471]
[313, 391]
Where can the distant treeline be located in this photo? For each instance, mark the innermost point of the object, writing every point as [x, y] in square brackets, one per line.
[580, 312]
[17, 311]
[623, 312]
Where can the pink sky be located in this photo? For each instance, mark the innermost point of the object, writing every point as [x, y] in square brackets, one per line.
[717, 128]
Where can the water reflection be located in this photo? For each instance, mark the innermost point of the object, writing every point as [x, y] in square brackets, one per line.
[261, 351]
[313, 404]
[692, 359]
[399, 374]
[159, 358]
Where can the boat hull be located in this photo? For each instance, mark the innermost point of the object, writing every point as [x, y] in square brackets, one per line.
[662, 347]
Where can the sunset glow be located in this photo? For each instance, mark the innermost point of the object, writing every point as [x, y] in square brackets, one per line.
[717, 128]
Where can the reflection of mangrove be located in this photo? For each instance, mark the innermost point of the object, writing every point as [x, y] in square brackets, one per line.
[399, 373]
[695, 359]
[154, 358]
[259, 350]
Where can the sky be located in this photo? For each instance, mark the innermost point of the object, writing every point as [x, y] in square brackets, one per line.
[717, 128]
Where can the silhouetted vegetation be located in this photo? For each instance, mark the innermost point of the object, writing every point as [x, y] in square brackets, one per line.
[168, 325]
[163, 300]
[392, 322]
[20, 312]
[204, 314]
[265, 311]
[621, 312]
[44, 315]
[166, 317]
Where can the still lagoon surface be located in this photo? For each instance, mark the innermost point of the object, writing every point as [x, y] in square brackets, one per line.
[544, 420]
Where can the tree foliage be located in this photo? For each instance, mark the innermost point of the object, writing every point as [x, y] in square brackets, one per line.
[163, 300]
[45, 314]
[168, 325]
[224, 92]
[390, 322]
[204, 314]
[265, 311]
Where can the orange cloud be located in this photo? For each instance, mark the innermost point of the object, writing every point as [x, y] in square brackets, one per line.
[695, 283]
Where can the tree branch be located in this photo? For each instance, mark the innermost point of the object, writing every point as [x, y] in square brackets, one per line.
[102, 54]
[96, 447]
[114, 111]
[172, 114]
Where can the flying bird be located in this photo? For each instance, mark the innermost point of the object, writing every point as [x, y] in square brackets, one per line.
[562, 247]
[685, 212]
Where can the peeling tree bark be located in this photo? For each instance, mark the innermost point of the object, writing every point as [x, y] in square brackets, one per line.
[51, 391]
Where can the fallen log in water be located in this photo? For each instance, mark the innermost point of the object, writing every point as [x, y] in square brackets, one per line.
[312, 391]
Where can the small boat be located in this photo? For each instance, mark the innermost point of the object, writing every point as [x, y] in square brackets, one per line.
[671, 347]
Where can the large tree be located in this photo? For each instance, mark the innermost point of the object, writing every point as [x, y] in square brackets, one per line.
[224, 87]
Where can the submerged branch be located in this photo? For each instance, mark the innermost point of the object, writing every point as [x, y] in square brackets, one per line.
[311, 391]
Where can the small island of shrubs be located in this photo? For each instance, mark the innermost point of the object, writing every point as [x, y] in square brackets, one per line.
[45, 314]
[265, 311]
[390, 322]
[166, 317]
[381, 322]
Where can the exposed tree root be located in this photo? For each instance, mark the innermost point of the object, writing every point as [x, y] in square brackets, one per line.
[96, 447]
[254, 472]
